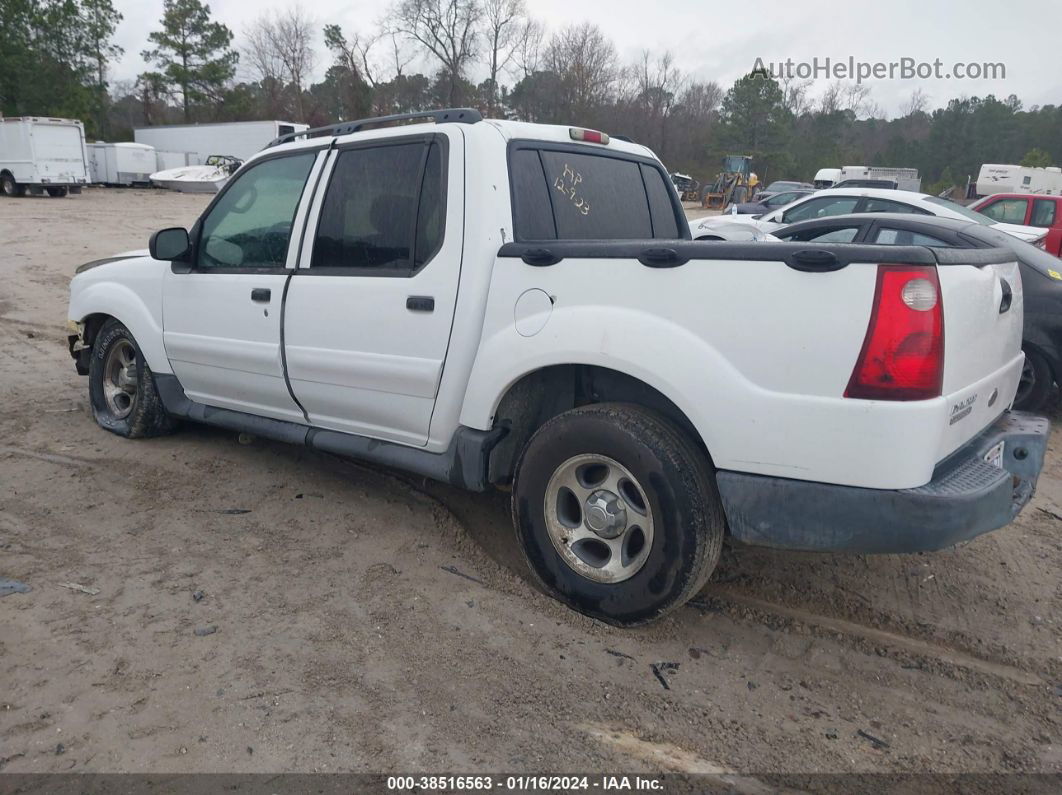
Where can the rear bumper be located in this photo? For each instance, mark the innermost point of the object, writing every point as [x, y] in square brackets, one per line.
[965, 498]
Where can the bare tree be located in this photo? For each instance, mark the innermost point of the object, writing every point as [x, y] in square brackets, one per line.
[795, 94]
[528, 50]
[447, 28]
[918, 102]
[504, 25]
[585, 61]
[280, 49]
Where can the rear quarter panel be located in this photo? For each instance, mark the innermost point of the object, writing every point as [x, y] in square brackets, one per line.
[756, 354]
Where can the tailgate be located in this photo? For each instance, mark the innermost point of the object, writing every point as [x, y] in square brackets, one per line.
[983, 316]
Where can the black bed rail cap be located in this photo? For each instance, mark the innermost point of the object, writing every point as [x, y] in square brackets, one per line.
[444, 116]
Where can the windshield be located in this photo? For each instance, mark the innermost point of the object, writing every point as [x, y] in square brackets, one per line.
[965, 212]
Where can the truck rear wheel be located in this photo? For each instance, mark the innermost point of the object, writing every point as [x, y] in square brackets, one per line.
[122, 388]
[617, 512]
[57, 192]
[8, 186]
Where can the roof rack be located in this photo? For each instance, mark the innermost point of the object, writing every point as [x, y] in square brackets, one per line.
[452, 115]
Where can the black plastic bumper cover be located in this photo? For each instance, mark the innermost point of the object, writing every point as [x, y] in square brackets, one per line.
[966, 497]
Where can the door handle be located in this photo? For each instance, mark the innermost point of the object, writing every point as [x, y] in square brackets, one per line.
[420, 303]
[261, 294]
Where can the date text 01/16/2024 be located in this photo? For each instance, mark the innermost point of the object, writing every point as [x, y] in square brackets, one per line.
[525, 783]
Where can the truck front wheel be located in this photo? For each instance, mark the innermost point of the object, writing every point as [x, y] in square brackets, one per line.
[617, 512]
[8, 186]
[122, 388]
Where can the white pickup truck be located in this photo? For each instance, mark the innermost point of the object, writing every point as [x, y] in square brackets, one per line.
[492, 303]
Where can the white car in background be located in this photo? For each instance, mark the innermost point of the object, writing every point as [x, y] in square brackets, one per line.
[844, 201]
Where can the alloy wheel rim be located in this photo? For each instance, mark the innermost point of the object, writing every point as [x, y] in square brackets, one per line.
[119, 379]
[598, 518]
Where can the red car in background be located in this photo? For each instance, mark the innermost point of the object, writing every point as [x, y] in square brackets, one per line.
[1030, 209]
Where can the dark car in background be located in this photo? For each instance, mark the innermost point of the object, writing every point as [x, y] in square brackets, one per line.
[780, 186]
[760, 206]
[1041, 275]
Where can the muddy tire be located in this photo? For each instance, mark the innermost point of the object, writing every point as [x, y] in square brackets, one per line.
[122, 390]
[617, 512]
[8, 187]
[1034, 388]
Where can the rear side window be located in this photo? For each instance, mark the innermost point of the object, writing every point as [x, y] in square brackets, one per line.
[1044, 212]
[661, 211]
[905, 237]
[887, 206]
[837, 234]
[384, 209]
[822, 207]
[560, 195]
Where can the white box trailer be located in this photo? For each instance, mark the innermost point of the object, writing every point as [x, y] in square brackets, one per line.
[121, 163]
[905, 178]
[39, 154]
[1000, 178]
[239, 139]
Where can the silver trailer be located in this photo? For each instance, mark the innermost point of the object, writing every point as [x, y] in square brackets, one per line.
[121, 163]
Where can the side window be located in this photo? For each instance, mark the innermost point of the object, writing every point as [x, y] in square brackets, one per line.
[887, 206]
[1044, 212]
[843, 234]
[1008, 211]
[250, 225]
[822, 207]
[781, 199]
[661, 210]
[573, 196]
[905, 237]
[384, 208]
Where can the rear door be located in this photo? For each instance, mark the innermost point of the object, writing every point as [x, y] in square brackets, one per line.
[368, 313]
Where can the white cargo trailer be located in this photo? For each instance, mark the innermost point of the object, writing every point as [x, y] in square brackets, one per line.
[905, 178]
[240, 139]
[39, 154]
[999, 178]
[121, 163]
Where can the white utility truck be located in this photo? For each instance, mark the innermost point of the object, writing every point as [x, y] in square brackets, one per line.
[39, 155]
[239, 139]
[495, 303]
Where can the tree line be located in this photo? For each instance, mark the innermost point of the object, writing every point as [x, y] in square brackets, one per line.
[55, 57]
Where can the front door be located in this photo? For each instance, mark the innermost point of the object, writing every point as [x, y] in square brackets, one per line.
[369, 310]
[222, 317]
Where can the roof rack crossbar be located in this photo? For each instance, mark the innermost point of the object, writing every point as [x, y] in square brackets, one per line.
[451, 115]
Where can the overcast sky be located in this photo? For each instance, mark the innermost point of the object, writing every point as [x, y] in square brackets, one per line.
[720, 41]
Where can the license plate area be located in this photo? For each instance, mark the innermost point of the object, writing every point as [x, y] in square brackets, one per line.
[994, 456]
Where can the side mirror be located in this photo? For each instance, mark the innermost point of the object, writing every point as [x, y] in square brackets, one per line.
[169, 244]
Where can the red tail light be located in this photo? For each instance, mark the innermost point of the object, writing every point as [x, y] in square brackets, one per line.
[903, 353]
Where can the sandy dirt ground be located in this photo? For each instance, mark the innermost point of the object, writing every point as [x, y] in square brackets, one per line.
[367, 621]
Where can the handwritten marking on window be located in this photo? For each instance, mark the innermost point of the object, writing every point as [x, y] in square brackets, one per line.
[568, 183]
